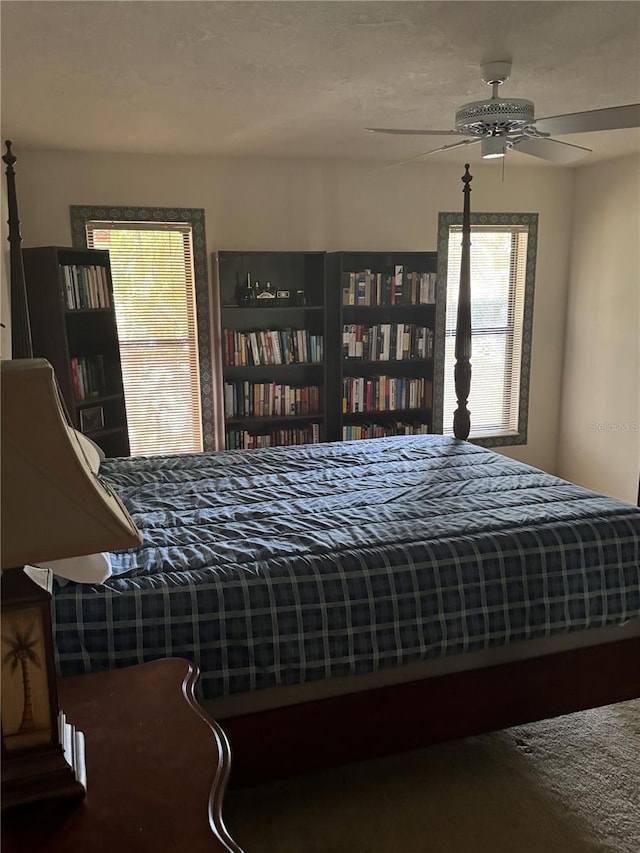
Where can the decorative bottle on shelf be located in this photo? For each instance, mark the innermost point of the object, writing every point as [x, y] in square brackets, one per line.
[246, 293]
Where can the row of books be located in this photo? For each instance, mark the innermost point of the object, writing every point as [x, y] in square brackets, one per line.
[385, 393]
[241, 439]
[386, 342]
[380, 288]
[271, 346]
[88, 376]
[357, 432]
[270, 399]
[85, 286]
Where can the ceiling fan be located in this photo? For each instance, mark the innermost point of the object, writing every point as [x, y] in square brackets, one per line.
[504, 124]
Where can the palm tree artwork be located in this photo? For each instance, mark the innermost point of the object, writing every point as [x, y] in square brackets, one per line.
[22, 653]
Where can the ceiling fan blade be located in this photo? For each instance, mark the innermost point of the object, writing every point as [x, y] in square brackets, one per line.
[550, 149]
[405, 132]
[429, 153]
[611, 118]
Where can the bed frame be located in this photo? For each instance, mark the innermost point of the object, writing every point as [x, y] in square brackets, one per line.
[327, 732]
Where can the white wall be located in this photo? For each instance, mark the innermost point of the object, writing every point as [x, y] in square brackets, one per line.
[316, 205]
[599, 438]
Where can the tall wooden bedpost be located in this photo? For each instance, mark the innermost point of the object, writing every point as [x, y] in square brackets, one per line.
[20, 326]
[462, 371]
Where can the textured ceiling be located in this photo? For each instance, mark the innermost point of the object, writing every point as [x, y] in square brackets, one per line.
[302, 79]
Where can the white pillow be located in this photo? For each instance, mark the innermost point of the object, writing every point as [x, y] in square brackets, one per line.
[94, 568]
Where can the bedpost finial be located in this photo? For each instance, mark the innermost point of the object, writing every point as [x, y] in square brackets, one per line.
[9, 158]
[467, 177]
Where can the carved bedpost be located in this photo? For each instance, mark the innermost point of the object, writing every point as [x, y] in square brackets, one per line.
[462, 371]
[20, 326]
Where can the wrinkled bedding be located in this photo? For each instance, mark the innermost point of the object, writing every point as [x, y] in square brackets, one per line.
[289, 565]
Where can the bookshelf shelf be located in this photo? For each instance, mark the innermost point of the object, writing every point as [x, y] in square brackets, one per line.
[105, 433]
[263, 372]
[386, 413]
[73, 312]
[378, 363]
[288, 309]
[263, 419]
[104, 398]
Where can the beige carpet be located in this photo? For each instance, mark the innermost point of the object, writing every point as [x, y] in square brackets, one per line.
[569, 785]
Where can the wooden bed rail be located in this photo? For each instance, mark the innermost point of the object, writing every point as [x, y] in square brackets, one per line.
[314, 736]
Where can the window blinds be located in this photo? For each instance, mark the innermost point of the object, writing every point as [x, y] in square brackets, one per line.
[498, 267]
[154, 298]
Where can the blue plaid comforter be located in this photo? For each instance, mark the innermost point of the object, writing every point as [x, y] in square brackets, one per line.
[286, 565]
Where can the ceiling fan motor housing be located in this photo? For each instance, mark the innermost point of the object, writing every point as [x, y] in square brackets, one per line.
[497, 116]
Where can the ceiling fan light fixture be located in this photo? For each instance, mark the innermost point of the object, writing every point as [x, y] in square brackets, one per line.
[507, 114]
[493, 147]
[502, 124]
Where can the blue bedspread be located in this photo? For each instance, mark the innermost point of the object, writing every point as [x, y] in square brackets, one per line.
[286, 565]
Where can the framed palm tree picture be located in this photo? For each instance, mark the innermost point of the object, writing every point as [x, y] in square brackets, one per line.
[29, 700]
[26, 712]
[42, 754]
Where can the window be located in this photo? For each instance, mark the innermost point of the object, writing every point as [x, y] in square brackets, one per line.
[154, 283]
[502, 278]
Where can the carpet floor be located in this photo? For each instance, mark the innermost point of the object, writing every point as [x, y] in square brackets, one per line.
[568, 785]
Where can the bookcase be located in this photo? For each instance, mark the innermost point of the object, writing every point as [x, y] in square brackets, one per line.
[73, 325]
[272, 326]
[383, 307]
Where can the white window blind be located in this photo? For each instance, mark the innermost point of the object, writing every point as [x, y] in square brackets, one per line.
[154, 298]
[498, 277]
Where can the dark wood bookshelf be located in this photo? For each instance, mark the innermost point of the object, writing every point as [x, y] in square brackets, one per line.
[410, 309]
[322, 276]
[297, 281]
[81, 342]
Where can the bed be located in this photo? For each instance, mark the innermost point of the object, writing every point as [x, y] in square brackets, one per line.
[296, 569]
[351, 599]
